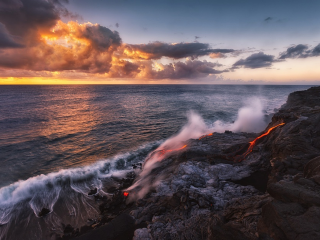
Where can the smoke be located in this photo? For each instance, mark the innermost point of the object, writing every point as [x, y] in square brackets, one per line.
[250, 118]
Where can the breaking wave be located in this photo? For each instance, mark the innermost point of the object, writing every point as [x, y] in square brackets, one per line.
[65, 191]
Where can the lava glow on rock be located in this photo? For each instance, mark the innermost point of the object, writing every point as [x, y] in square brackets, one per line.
[238, 158]
[244, 155]
[126, 194]
[165, 151]
[210, 134]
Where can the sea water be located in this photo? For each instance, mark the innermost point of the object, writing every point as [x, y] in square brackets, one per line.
[58, 142]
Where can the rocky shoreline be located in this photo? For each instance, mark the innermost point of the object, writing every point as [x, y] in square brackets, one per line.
[206, 191]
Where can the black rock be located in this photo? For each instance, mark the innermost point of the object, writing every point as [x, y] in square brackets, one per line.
[137, 165]
[93, 192]
[68, 230]
[44, 212]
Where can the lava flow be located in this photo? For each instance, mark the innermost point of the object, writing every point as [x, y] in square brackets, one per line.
[126, 194]
[244, 155]
[210, 134]
[164, 151]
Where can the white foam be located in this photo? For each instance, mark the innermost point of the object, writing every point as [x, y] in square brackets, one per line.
[44, 190]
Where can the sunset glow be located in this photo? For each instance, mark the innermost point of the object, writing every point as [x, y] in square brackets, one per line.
[61, 44]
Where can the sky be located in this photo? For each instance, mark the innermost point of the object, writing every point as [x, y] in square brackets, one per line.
[159, 42]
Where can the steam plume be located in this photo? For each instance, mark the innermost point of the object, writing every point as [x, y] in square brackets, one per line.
[250, 119]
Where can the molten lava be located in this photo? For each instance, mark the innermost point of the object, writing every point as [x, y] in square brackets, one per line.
[244, 155]
[164, 151]
[126, 194]
[210, 134]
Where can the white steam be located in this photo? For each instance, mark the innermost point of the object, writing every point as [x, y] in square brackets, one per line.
[195, 128]
[250, 119]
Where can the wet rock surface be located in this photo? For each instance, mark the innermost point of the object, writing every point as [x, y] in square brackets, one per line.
[203, 192]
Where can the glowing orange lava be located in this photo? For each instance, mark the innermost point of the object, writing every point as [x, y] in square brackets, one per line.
[164, 151]
[243, 156]
[210, 134]
[126, 194]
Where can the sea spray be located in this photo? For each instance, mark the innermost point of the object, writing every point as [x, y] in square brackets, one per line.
[63, 193]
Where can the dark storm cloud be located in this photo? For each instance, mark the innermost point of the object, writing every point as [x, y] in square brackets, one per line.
[157, 50]
[316, 51]
[6, 40]
[268, 19]
[186, 70]
[8, 4]
[298, 51]
[256, 60]
[191, 69]
[101, 37]
[24, 18]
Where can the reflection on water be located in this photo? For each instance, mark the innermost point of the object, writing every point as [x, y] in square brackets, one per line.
[47, 128]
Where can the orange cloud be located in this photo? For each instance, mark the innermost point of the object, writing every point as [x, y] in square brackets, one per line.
[34, 42]
[94, 49]
[217, 55]
[69, 46]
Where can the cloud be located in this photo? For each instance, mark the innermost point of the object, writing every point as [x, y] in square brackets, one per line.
[190, 69]
[256, 60]
[146, 69]
[117, 25]
[157, 50]
[298, 51]
[120, 68]
[268, 19]
[26, 18]
[69, 46]
[92, 48]
[49, 47]
[217, 55]
[6, 40]
[316, 51]
[10, 4]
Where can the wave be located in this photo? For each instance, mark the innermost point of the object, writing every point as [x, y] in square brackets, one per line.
[67, 187]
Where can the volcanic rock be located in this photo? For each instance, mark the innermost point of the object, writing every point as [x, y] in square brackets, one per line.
[44, 212]
[203, 192]
[122, 227]
[312, 170]
[294, 179]
[93, 192]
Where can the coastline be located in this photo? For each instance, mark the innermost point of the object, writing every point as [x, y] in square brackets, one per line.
[203, 195]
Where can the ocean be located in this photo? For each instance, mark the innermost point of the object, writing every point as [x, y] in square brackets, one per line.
[58, 142]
